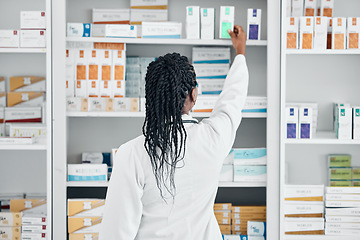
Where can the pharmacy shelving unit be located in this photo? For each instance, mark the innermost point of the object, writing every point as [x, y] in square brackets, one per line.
[27, 169]
[325, 77]
[94, 131]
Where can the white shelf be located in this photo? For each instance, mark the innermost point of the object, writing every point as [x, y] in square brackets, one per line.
[322, 138]
[22, 50]
[328, 52]
[319, 237]
[221, 184]
[215, 42]
[142, 114]
[40, 144]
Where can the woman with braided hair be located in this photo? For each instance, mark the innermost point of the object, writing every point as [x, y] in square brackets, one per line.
[164, 183]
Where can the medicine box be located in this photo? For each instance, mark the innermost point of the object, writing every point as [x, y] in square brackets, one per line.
[254, 24]
[222, 206]
[340, 183]
[227, 173]
[9, 38]
[28, 206]
[81, 88]
[33, 38]
[329, 34]
[306, 32]
[303, 210]
[2, 84]
[301, 226]
[344, 123]
[34, 229]
[101, 104]
[353, 32]
[210, 55]
[339, 33]
[327, 7]
[28, 130]
[227, 16]
[205, 103]
[32, 20]
[297, 8]
[320, 32]
[249, 156]
[33, 236]
[138, 16]
[114, 30]
[210, 86]
[78, 30]
[10, 219]
[211, 71]
[111, 16]
[87, 172]
[74, 104]
[83, 236]
[27, 84]
[144, 4]
[256, 228]
[310, 8]
[27, 114]
[2, 99]
[255, 104]
[249, 209]
[292, 122]
[356, 123]
[304, 193]
[11, 233]
[339, 174]
[193, 22]
[119, 63]
[85, 207]
[25, 99]
[243, 173]
[207, 17]
[305, 122]
[170, 30]
[292, 31]
[84, 224]
[339, 161]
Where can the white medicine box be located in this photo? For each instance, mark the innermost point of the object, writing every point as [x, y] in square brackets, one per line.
[344, 123]
[227, 16]
[33, 38]
[306, 32]
[339, 33]
[292, 122]
[292, 32]
[32, 20]
[9, 38]
[353, 32]
[356, 122]
[305, 122]
[320, 32]
[193, 22]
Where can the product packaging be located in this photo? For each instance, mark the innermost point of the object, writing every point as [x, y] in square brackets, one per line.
[339, 160]
[292, 31]
[86, 207]
[11, 233]
[16, 115]
[211, 71]
[32, 20]
[10, 219]
[310, 8]
[9, 38]
[210, 55]
[207, 23]
[28, 206]
[111, 16]
[227, 18]
[28, 130]
[243, 173]
[227, 173]
[329, 34]
[101, 104]
[205, 103]
[297, 8]
[254, 24]
[356, 123]
[305, 122]
[25, 99]
[297, 210]
[137, 16]
[306, 32]
[84, 224]
[27, 84]
[193, 22]
[344, 123]
[146, 4]
[320, 33]
[33, 38]
[78, 30]
[339, 33]
[87, 172]
[353, 32]
[171, 30]
[304, 226]
[327, 7]
[74, 104]
[256, 228]
[210, 86]
[311, 193]
[114, 30]
[93, 84]
[126, 104]
[292, 122]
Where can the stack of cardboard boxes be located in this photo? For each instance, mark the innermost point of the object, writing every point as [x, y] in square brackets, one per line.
[304, 209]
[84, 218]
[10, 225]
[341, 172]
[223, 214]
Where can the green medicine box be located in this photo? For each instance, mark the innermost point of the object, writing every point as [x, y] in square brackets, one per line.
[356, 174]
[356, 183]
[340, 184]
[340, 174]
[338, 161]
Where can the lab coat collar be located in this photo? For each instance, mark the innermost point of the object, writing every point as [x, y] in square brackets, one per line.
[189, 119]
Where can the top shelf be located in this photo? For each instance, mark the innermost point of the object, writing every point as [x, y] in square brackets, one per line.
[215, 42]
[322, 52]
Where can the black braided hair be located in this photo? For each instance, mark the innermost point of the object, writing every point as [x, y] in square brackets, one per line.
[168, 81]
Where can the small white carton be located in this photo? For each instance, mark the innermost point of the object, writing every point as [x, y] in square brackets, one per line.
[33, 38]
[137, 16]
[87, 172]
[306, 32]
[320, 32]
[111, 16]
[207, 23]
[327, 7]
[254, 24]
[9, 38]
[227, 18]
[297, 8]
[305, 122]
[292, 122]
[78, 30]
[292, 32]
[310, 8]
[193, 22]
[356, 123]
[339, 33]
[114, 30]
[168, 30]
[32, 20]
[344, 123]
[353, 32]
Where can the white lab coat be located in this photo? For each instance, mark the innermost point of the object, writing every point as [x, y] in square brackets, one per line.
[134, 208]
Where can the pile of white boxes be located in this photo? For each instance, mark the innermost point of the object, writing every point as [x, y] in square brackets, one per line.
[303, 209]
[31, 35]
[346, 121]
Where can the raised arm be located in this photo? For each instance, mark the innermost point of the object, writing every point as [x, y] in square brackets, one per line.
[226, 115]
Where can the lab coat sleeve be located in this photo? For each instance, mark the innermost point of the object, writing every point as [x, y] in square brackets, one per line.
[123, 206]
[226, 115]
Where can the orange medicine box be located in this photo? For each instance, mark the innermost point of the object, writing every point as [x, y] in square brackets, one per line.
[27, 84]
[329, 34]
[221, 214]
[306, 32]
[327, 7]
[33, 206]
[353, 32]
[310, 8]
[94, 74]
[224, 220]
[292, 31]
[222, 206]
[10, 219]
[85, 207]
[25, 99]
[249, 209]
[83, 236]
[249, 215]
[10, 233]
[84, 224]
[339, 33]
[224, 227]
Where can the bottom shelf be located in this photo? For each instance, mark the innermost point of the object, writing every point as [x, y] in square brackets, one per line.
[319, 237]
[221, 184]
